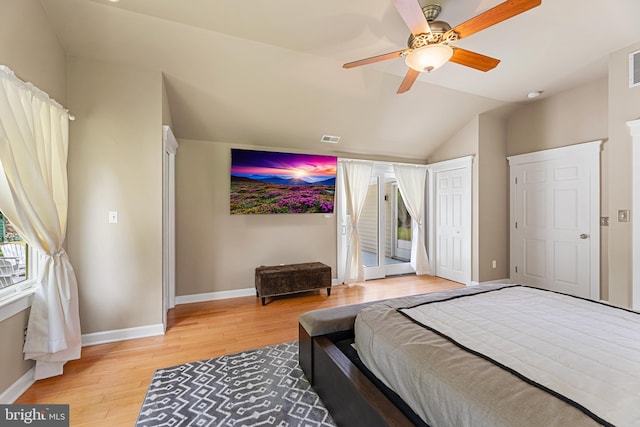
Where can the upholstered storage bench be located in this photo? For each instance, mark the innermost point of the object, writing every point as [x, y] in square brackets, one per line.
[291, 278]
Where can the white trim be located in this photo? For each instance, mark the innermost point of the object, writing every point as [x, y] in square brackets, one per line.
[386, 167]
[465, 163]
[122, 334]
[168, 221]
[20, 300]
[632, 70]
[634, 126]
[554, 153]
[16, 389]
[169, 139]
[491, 282]
[212, 296]
[446, 165]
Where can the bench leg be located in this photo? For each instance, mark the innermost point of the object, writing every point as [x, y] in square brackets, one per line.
[328, 292]
[263, 298]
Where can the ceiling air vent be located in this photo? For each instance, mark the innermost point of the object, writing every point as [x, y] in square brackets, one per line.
[330, 139]
[634, 69]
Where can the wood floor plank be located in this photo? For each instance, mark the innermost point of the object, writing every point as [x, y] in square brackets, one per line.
[107, 385]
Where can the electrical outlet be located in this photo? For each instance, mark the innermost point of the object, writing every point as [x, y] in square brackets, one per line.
[113, 217]
[604, 221]
[493, 264]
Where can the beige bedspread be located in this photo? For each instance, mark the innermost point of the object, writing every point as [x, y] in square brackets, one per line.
[448, 386]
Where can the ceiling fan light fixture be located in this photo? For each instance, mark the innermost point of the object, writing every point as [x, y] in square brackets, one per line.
[429, 58]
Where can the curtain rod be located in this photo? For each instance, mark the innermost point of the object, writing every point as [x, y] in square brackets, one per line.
[11, 76]
[382, 162]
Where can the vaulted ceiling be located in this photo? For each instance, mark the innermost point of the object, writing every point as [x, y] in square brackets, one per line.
[269, 72]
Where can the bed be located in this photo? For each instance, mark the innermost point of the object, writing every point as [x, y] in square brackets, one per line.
[494, 355]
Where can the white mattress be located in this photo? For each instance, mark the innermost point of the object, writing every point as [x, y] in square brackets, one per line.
[449, 384]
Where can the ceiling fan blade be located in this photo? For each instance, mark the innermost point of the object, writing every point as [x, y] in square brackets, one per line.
[501, 12]
[408, 81]
[373, 59]
[473, 59]
[413, 16]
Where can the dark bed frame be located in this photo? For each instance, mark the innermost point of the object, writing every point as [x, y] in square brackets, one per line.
[349, 395]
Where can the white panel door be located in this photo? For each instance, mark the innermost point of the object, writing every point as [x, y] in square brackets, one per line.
[452, 230]
[554, 235]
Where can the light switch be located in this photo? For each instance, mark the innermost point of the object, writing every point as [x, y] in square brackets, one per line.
[113, 217]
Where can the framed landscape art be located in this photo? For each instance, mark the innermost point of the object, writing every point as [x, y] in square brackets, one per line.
[268, 182]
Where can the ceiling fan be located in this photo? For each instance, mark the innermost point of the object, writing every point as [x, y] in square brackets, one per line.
[429, 41]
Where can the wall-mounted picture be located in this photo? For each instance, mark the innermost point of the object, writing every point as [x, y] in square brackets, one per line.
[267, 182]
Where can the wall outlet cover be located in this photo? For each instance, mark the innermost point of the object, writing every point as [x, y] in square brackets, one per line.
[623, 215]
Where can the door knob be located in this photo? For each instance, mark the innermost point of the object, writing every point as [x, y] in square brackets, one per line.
[584, 236]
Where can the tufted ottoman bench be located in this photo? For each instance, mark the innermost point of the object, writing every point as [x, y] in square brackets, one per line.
[287, 279]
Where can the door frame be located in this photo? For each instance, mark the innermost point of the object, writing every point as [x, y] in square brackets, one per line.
[395, 250]
[634, 128]
[590, 150]
[433, 169]
[170, 147]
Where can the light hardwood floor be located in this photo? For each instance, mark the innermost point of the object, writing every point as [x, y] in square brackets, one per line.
[107, 385]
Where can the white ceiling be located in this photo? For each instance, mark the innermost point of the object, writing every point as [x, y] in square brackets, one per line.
[269, 72]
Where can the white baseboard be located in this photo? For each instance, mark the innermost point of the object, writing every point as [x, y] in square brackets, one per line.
[490, 282]
[212, 296]
[122, 334]
[16, 389]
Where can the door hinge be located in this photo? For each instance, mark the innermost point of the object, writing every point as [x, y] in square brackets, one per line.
[516, 180]
[516, 224]
[516, 268]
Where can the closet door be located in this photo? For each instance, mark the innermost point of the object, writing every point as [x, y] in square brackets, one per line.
[449, 219]
[453, 225]
[555, 220]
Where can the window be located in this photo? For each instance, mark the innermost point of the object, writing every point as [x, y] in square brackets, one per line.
[13, 255]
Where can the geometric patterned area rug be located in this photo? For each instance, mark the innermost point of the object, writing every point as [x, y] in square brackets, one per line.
[263, 387]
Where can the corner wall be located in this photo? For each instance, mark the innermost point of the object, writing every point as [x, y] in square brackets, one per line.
[493, 200]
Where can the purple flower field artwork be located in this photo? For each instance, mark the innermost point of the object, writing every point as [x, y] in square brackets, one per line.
[266, 182]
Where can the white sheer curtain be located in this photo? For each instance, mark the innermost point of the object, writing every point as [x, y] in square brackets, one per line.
[357, 175]
[34, 137]
[411, 182]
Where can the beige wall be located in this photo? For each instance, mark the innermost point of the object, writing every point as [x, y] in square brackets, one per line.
[29, 47]
[571, 117]
[217, 251]
[166, 110]
[624, 105]
[115, 164]
[493, 199]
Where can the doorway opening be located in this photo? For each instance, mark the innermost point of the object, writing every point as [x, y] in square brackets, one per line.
[384, 227]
